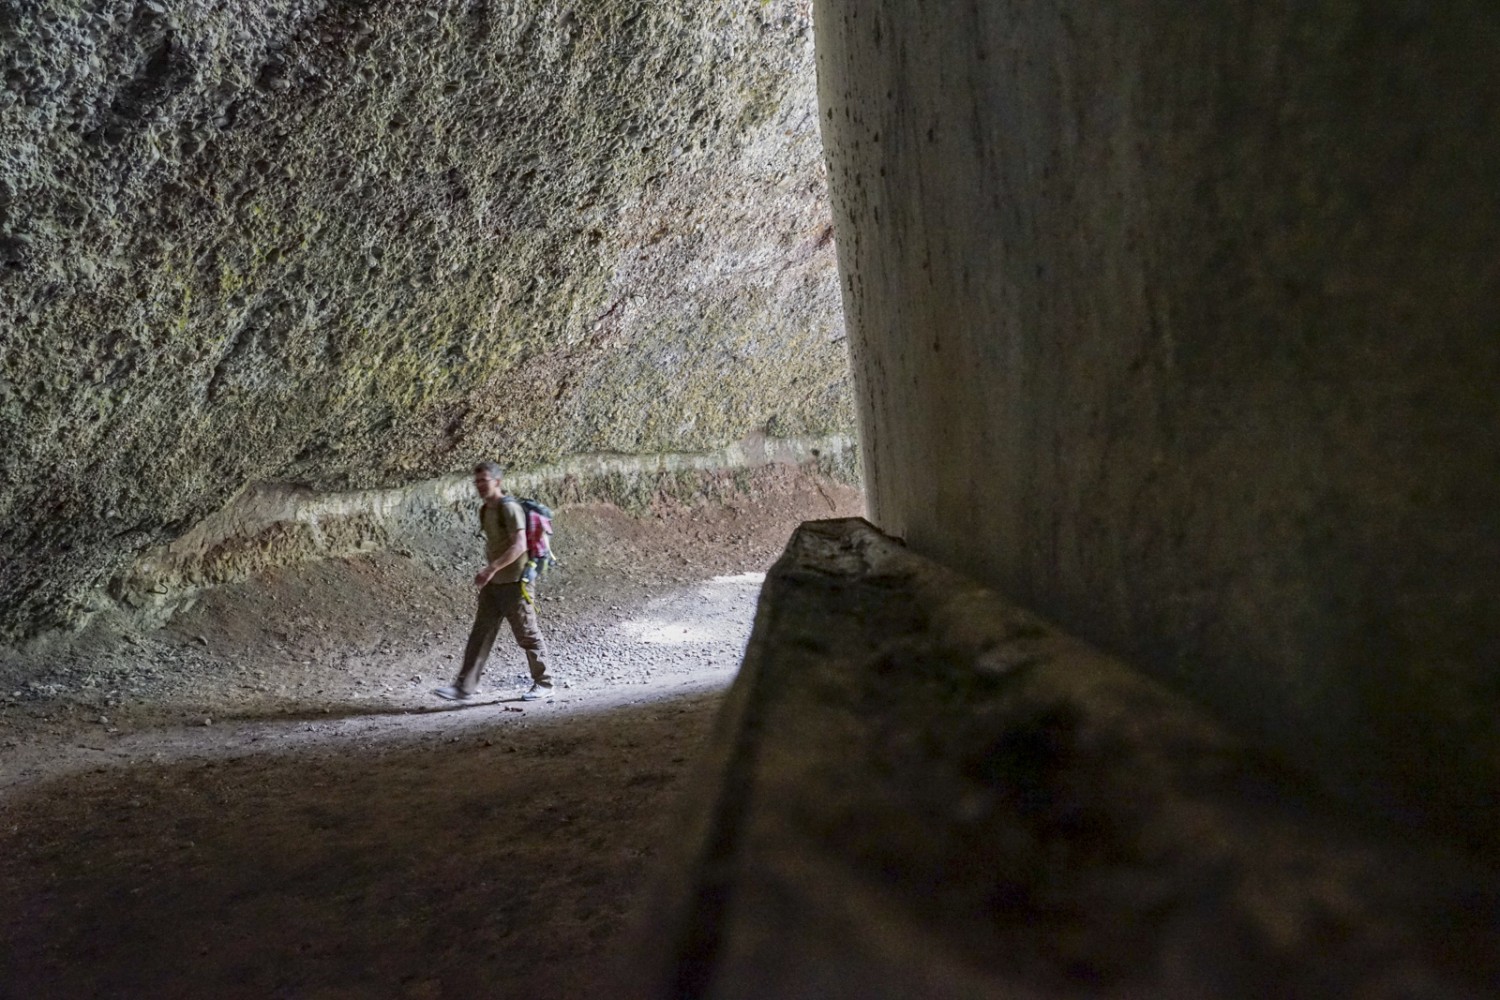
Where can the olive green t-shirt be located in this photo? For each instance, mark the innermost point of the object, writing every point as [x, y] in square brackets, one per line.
[500, 524]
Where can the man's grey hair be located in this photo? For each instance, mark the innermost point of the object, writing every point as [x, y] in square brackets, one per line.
[491, 469]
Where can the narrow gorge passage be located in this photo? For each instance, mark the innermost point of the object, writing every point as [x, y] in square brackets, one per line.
[285, 810]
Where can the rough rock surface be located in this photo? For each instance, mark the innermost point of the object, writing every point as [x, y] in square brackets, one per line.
[920, 790]
[353, 245]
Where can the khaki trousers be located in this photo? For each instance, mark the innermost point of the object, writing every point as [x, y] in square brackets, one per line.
[497, 602]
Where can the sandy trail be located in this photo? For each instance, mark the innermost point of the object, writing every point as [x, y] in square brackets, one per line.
[264, 799]
[689, 639]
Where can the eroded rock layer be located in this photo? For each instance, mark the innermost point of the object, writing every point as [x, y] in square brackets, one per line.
[356, 245]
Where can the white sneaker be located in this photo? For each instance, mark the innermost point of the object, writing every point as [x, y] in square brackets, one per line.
[451, 693]
[537, 692]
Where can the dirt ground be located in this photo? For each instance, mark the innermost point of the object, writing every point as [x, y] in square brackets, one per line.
[263, 799]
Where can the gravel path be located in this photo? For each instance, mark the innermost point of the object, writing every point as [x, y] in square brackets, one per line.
[264, 799]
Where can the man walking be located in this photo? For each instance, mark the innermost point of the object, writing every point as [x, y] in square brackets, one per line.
[501, 596]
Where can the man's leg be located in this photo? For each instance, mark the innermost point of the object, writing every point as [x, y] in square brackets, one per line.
[522, 617]
[481, 637]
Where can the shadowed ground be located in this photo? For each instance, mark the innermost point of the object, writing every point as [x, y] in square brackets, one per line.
[265, 800]
[472, 858]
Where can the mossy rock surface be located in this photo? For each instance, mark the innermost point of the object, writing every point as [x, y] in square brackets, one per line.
[354, 245]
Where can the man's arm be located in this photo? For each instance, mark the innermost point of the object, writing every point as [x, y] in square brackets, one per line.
[511, 554]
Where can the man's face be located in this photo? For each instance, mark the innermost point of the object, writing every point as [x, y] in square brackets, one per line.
[487, 486]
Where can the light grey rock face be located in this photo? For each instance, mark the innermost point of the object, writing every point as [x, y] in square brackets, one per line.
[359, 244]
[1183, 332]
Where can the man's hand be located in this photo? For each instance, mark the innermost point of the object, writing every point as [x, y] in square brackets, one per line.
[514, 551]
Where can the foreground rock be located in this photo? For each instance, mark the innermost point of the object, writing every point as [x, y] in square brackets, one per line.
[923, 791]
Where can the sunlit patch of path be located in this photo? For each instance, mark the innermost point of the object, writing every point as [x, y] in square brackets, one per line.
[701, 616]
[684, 642]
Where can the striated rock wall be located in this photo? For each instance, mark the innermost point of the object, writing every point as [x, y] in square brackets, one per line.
[356, 245]
[274, 525]
[1183, 332]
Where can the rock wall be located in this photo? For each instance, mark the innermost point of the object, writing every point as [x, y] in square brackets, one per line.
[1185, 331]
[274, 525]
[352, 245]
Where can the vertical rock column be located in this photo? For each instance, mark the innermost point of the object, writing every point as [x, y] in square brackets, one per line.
[1185, 331]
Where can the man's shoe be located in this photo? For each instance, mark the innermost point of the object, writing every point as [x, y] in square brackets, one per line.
[537, 693]
[451, 693]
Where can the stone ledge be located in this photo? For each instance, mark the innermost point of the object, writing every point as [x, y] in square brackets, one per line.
[919, 790]
[272, 525]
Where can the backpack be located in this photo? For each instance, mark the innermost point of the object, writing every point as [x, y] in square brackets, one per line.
[539, 557]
